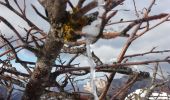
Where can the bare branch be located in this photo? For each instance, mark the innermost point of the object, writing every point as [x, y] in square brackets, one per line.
[42, 16]
[12, 28]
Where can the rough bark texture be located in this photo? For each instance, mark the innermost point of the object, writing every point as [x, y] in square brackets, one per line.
[55, 9]
[49, 52]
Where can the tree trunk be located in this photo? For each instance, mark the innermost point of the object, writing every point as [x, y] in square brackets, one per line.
[43, 68]
[48, 53]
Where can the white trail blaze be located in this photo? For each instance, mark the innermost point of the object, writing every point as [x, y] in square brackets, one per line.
[92, 31]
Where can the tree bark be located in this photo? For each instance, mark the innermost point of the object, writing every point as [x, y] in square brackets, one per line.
[48, 54]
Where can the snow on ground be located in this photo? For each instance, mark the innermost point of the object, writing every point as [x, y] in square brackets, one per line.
[139, 94]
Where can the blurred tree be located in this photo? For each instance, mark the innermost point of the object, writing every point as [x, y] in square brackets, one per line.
[66, 21]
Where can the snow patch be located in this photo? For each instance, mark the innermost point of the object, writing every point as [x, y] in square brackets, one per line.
[139, 94]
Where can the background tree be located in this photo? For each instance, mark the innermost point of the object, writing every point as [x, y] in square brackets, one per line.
[48, 47]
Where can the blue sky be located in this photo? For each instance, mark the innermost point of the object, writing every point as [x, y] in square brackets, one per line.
[107, 50]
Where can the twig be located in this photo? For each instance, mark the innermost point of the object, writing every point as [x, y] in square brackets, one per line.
[146, 53]
[12, 28]
[42, 16]
[137, 14]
